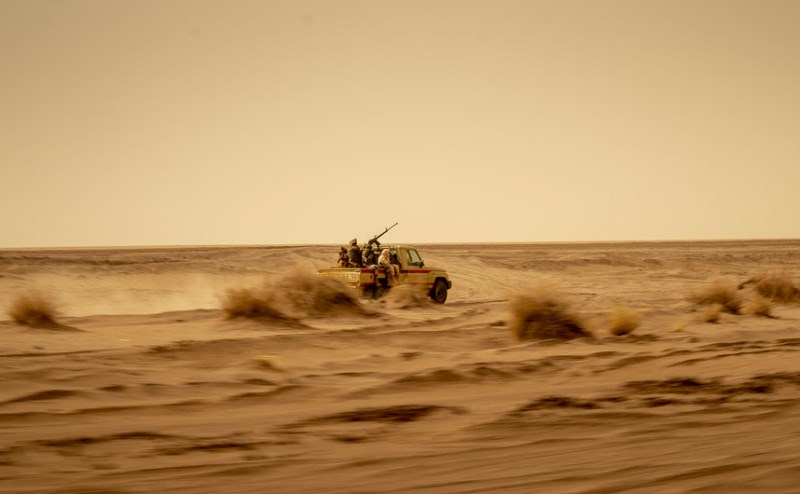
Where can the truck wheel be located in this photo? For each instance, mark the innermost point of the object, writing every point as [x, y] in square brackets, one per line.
[439, 292]
[373, 292]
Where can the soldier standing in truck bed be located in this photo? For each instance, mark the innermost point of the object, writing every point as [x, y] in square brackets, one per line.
[370, 257]
[343, 262]
[354, 254]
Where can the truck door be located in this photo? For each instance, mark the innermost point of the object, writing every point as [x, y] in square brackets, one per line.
[415, 272]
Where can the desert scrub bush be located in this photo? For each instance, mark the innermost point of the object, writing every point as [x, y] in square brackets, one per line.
[718, 292]
[711, 313]
[33, 309]
[622, 321]
[544, 314]
[777, 286]
[759, 306]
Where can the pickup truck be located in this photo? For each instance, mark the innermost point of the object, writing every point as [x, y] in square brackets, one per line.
[372, 282]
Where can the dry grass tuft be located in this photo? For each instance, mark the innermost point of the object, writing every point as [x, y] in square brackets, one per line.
[295, 294]
[712, 313]
[623, 321]
[34, 310]
[759, 306]
[778, 286]
[544, 314]
[718, 292]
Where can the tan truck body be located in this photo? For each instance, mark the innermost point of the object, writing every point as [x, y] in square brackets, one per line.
[372, 283]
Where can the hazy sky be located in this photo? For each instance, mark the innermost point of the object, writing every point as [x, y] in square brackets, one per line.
[142, 122]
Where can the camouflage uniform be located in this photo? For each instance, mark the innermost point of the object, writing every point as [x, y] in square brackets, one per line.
[354, 254]
[370, 257]
[343, 262]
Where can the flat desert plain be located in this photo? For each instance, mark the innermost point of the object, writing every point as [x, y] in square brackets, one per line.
[145, 384]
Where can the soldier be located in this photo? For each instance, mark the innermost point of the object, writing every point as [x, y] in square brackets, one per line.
[391, 270]
[354, 254]
[369, 254]
[343, 262]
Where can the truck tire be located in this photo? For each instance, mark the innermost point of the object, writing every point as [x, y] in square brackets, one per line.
[439, 292]
[373, 292]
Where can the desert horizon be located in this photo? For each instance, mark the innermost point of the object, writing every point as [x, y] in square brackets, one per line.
[678, 372]
[426, 243]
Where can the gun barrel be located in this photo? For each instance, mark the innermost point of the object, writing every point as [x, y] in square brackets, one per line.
[389, 228]
[376, 237]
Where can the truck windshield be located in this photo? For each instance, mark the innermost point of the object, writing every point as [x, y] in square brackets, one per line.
[413, 258]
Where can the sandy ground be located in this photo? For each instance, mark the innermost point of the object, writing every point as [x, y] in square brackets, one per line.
[148, 387]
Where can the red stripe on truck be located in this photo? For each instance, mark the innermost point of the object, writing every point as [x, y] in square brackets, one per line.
[408, 271]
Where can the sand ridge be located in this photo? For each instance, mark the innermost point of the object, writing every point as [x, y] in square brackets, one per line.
[157, 390]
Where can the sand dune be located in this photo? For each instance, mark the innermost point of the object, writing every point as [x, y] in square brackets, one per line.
[147, 385]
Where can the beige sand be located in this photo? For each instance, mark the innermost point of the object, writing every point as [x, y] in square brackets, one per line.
[148, 387]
